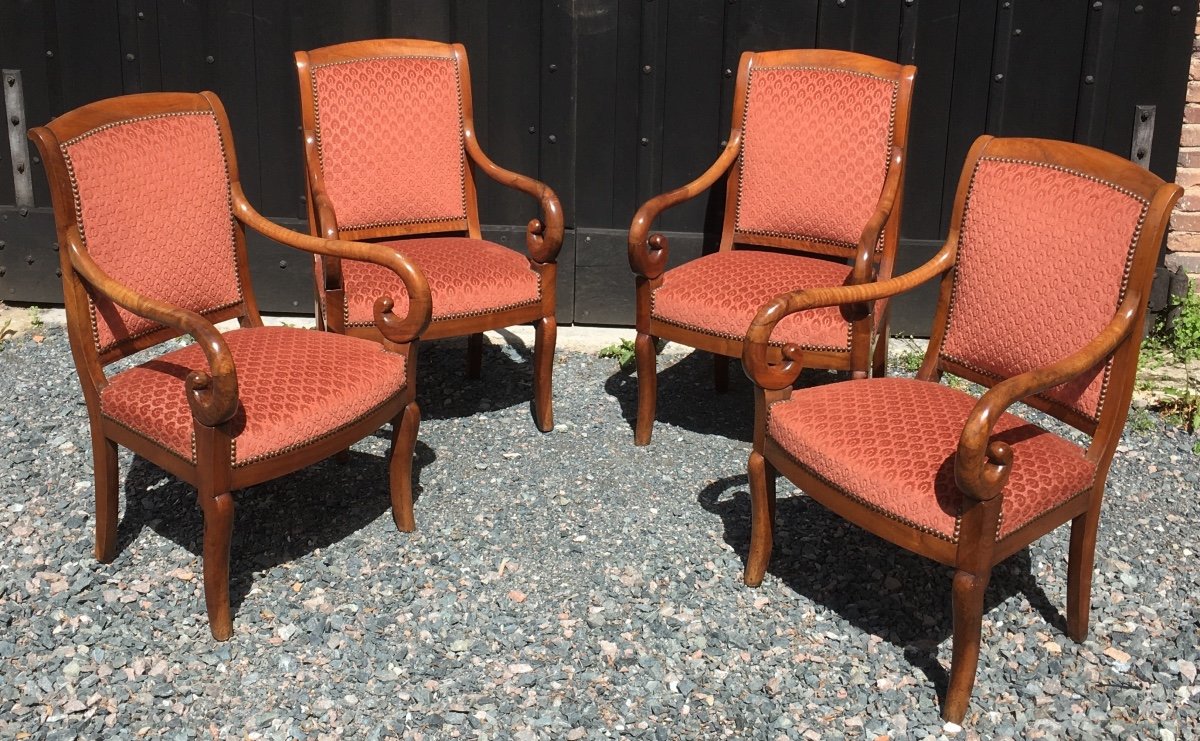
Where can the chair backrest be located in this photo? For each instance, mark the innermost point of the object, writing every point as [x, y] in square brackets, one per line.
[146, 181]
[1051, 237]
[818, 128]
[387, 120]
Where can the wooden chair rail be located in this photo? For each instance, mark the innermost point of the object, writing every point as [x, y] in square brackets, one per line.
[981, 468]
[420, 304]
[772, 376]
[212, 396]
[543, 237]
[648, 256]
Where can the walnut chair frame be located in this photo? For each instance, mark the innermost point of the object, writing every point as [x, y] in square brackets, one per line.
[984, 462]
[212, 395]
[543, 238]
[872, 256]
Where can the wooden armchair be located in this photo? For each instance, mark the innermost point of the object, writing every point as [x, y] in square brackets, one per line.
[390, 150]
[815, 163]
[1044, 283]
[151, 218]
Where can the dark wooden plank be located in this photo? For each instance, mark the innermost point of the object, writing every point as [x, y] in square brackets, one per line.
[692, 125]
[418, 19]
[865, 26]
[626, 147]
[652, 50]
[88, 53]
[598, 109]
[1099, 54]
[557, 103]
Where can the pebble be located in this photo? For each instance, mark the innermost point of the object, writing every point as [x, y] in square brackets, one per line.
[561, 585]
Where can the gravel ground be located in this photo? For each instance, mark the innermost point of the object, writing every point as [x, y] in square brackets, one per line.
[566, 585]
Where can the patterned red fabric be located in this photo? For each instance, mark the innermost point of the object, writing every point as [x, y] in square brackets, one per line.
[815, 151]
[295, 386]
[152, 199]
[1041, 270]
[720, 293]
[890, 444]
[466, 277]
[390, 136]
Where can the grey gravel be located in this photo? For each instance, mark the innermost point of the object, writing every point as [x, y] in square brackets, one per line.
[566, 585]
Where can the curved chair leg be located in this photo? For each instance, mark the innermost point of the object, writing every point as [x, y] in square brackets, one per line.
[404, 441]
[104, 457]
[720, 373]
[968, 620]
[1079, 572]
[545, 335]
[647, 373]
[218, 529]
[762, 518]
[474, 354]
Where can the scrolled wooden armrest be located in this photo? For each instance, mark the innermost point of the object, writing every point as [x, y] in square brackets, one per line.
[395, 329]
[780, 375]
[982, 465]
[212, 396]
[544, 236]
[648, 254]
[864, 262]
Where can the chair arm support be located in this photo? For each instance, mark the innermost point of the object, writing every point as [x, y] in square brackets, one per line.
[543, 237]
[396, 330]
[648, 254]
[322, 207]
[864, 262]
[777, 376]
[212, 396]
[981, 468]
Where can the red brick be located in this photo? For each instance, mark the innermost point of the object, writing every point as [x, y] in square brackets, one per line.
[1190, 201]
[1185, 221]
[1183, 242]
[1193, 92]
[1191, 113]
[1191, 135]
[1188, 176]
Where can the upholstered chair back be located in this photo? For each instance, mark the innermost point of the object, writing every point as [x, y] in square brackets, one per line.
[152, 202]
[1044, 258]
[389, 133]
[816, 144]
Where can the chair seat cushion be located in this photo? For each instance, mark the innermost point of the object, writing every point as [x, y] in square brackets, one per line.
[295, 387]
[720, 293]
[467, 277]
[889, 443]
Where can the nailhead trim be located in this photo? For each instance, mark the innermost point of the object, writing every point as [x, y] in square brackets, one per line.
[63, 148]
[462, 177]
[1137, 232]
[742, 154]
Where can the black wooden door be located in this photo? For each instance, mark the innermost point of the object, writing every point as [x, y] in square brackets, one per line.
[608, 101]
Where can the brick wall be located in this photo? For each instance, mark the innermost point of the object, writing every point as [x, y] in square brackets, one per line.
[1183, 242]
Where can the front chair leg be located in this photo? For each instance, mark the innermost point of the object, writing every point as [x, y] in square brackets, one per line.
[474, 354]
[545, 335]
[404, 441]
[104, 458]
[647, 373]
[762, 518]
[218, 531]
[968, 621]
[1079, 572]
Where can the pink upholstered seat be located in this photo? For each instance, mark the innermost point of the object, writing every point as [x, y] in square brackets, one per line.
[295, 386]
[467, 277]
[720, 293]
[890, 444]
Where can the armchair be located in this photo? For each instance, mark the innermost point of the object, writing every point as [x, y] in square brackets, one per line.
[151, 216]
[814, 166]
[1044, 283]
[391, 151]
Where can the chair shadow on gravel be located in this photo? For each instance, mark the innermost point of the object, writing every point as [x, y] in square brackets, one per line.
[275, 522]
[814, 555]
[688, 399]
[445, 392]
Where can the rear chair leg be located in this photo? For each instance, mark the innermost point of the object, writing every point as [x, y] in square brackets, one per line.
[474, 354]
[720, 373]
[1079, 572]
[545, 335]
[404, 442]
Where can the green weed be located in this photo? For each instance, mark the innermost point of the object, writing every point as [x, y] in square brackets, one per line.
[623, 352]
